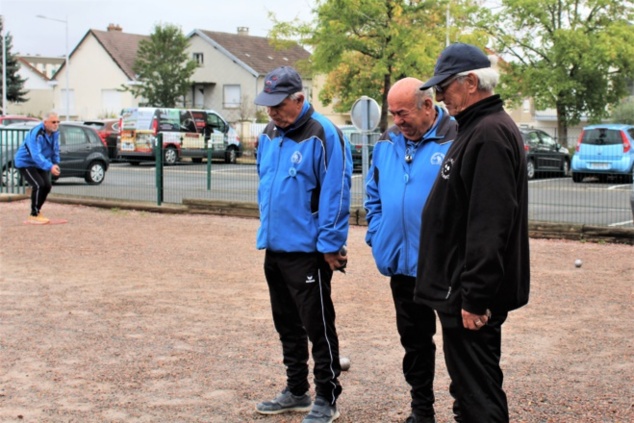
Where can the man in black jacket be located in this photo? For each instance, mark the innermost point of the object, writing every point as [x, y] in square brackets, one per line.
[473, 266]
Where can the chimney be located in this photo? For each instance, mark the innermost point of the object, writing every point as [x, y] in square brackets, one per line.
[243, 30]
[114, 27]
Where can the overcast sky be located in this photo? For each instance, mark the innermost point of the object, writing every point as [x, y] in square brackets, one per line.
[36, 36]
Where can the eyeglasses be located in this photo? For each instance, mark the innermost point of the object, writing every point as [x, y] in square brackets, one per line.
[54, 122]
[440, 88]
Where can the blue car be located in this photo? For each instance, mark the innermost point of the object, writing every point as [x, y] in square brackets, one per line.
[604, 151]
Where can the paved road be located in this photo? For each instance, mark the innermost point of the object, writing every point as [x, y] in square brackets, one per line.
[550, 199]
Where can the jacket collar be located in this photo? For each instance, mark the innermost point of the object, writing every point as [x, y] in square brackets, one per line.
[474, 112]
[304, 116]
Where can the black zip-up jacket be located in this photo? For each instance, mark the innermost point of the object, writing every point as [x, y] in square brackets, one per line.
[474, 249]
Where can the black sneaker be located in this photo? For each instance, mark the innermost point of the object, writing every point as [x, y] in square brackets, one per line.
[284, 403]
[322, 412]
[413, 418]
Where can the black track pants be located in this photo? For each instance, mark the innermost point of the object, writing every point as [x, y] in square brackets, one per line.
[473, 363]
[40, 181]
[416, 324]
[299, 286]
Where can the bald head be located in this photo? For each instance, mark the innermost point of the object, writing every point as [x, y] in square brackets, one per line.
[413, 110]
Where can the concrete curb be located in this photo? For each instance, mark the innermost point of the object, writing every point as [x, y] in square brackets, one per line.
[544, 230]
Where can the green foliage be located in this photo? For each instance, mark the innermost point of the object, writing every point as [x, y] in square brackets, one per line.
[15, 84]
[364, 46]
[624, 113]
[575, 56]
[163, 67]
[261, 116]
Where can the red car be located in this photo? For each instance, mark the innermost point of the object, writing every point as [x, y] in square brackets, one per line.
[9, 119]
[108, 130]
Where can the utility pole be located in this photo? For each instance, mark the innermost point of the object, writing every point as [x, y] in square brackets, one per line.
[67, 62]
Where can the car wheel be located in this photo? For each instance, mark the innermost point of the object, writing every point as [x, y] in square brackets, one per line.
[566, 168]
[96, 173]
[11, 177]
[171, 156]
[231, 155]
[577, 177]
[530, 169]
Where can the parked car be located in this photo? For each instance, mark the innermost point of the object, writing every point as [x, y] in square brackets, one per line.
[604, 151]
[9, 119]
[185, 133]
[82, 152]
[544, 154]
[355, 137]
[108, 130]
[210, 122]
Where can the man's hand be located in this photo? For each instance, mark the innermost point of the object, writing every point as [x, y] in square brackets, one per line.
[475, 321]
[55, 170]
[337, 261]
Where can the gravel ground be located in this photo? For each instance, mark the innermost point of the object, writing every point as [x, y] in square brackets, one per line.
[126, 316]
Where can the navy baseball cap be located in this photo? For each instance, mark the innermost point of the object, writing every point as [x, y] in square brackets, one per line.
[279, 84]
[456, 58]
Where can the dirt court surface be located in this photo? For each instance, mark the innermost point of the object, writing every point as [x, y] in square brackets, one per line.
[126, 316]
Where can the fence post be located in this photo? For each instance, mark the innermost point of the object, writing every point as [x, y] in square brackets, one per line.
[210, 153]
[158, 150]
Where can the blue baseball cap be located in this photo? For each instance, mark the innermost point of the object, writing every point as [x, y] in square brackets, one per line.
[279, 84]
[456, 58]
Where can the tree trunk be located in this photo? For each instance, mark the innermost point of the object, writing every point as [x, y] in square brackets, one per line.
[562, 126]
[387, 84]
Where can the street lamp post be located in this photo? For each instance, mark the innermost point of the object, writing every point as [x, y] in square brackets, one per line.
[4, 70]
[4, 66]
[67, 62]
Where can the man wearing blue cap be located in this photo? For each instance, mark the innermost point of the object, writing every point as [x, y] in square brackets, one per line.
[305, 170]
[473, 265]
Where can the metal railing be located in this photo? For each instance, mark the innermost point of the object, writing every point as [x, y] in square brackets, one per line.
[552, 198]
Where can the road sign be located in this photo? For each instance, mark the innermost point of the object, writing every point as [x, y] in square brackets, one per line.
[365, 114]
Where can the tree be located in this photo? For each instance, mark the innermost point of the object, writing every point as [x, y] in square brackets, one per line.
[15, 83]
[365, 45]
[624, 112]
[575, 56]
[163, 67]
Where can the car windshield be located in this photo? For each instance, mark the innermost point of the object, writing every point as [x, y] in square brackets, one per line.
[601, 136]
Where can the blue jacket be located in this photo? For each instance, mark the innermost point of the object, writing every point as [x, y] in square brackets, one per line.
[38, 149]
[305, 175]
[396, 192]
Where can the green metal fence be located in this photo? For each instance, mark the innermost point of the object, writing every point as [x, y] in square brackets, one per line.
[551, 198]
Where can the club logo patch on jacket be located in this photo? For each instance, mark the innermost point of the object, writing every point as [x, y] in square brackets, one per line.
[445, 172]
[296, 157]
[437, 159]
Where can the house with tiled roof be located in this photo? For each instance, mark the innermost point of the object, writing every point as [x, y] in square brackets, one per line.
[231, 72]
[232, 67]
[99, 65]
[35, 71]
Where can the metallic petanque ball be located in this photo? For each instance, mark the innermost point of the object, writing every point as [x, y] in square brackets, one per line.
[345, 363]
[578, 263]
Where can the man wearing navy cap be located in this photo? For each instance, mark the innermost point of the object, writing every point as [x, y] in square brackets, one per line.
[305, 170]
[473, 265]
